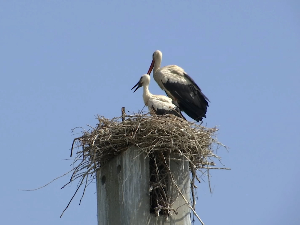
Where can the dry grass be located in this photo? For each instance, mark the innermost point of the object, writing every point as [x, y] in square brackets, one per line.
[154, 135]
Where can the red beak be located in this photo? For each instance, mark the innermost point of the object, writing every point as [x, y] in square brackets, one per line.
[151, 67]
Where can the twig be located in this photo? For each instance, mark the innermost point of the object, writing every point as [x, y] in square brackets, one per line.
[49, 182]
[72, 197]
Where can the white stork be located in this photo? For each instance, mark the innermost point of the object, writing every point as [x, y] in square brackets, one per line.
[180, 87]
[157, 104]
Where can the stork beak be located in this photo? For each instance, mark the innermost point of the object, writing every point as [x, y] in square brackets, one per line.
[151, 67]
[138, 85]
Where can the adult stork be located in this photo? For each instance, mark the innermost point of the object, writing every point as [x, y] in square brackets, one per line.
[157, 104]
[179, 86]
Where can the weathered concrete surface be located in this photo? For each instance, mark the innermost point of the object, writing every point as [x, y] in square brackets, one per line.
[123, 192]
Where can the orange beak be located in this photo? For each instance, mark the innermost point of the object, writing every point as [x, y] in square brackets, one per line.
[151, 67]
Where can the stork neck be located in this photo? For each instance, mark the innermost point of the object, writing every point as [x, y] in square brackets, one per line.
[157, 64]
[146, 94]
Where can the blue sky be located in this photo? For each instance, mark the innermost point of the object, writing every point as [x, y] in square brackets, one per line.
[64, 62]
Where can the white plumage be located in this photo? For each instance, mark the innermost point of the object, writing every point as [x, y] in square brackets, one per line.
[180, 87]
[157, 104]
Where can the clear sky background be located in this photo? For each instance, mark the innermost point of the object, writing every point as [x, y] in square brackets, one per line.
[64, 62]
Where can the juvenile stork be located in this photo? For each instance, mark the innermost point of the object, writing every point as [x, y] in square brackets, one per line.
[157, 104]
[180, 87]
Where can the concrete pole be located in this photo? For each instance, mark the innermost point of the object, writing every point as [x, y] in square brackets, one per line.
[123, 192]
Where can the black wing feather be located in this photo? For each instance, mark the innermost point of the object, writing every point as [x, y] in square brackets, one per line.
[190, 98]
[175, 112]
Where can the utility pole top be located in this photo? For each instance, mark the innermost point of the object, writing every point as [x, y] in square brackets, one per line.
[124, 191]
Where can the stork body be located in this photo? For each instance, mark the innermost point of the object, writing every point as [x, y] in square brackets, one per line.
[179, 86]
[157, 104]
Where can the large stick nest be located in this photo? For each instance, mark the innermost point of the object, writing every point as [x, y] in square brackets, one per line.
[154, 135]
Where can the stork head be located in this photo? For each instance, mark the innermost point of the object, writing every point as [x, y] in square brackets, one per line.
[144, 81]
[156, 58]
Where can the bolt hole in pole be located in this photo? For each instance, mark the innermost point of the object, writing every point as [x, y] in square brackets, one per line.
[103, 179]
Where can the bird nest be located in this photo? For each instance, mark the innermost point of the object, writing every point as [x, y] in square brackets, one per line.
[157, 137]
